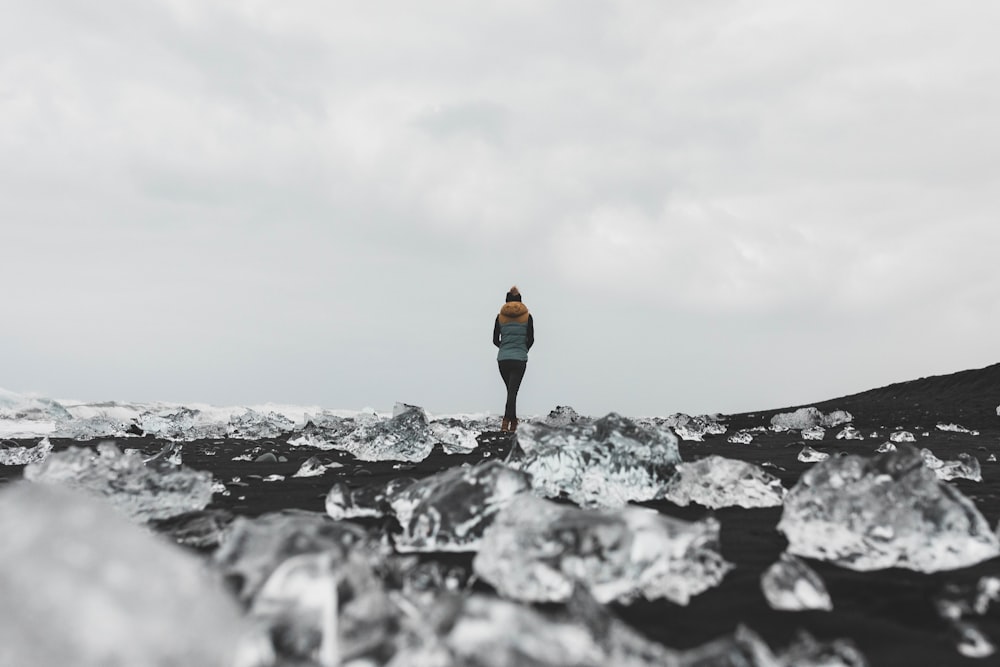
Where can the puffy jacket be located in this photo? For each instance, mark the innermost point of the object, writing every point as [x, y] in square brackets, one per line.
[513, 332]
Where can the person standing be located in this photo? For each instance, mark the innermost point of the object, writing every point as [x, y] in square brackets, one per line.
[514, 334]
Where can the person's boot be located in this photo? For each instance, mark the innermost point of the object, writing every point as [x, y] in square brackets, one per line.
[512, 426]
[505, 425]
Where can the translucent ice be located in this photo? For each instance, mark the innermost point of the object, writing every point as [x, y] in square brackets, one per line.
[716, 482]
[253, 425]
[310, 440]
[372, 501]
[298, 607]
[19, 456]
[563, 415]
[791, 585]
[885, 511]
[17, 407]
[407, 436]
[314, 467]
[810, 455]
[886, 447]
[813, 433]
[605, 463]
[154, 491]
[252, 549]
[450, 510]
[538, 550]
[454, 435]
[965, 467]
[84, 586]
[689, 428]
[741, 438]
[956, 428]
[850, 433]
[902, 436]
[808, 417]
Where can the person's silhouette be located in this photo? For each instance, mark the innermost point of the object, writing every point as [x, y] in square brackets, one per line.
[514, 334]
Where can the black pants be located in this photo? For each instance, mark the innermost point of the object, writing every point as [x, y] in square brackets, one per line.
[512, 372]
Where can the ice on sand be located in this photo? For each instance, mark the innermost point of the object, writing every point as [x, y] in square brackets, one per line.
[156, 490]
[450, 510]
[93, 589]
[604, 463]
[791, 585]
[890, 510]
[715, 481]
[19, 456]
[538, 550]
[407, 436]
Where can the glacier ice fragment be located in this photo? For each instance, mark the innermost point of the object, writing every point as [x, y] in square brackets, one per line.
[253, 425]
[810, 455]
[965, 466]
[450, 510]
[154, 491]
[604, 463]
[885, 447]
[902, 436]
[455, 436]
[92, 589]
[372, 501]
[19, 456]
[869, 513]
[742, 437]
[715, 481]
[407, 436]
[956, 428]
[791, 585]
[806, 651]
[813, 433]
[314, 467]
[538, 550]
[850, 433]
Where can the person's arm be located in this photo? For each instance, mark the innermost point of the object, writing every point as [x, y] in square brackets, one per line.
[530, 339]
[496, 331]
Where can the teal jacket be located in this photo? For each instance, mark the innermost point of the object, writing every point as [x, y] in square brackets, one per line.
[513, 332]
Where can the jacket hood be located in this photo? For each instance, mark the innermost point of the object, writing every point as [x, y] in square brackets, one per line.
[513, 311]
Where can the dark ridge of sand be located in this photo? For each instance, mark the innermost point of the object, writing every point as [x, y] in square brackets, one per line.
[969, 398]
[889, 614]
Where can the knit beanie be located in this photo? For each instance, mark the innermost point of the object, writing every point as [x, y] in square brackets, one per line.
[513, 294]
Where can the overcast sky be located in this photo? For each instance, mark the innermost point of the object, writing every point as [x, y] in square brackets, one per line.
[709, 205]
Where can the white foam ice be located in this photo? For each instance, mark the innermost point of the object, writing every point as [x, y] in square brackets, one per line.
[538, 550]
[890, 510]
[715, 482]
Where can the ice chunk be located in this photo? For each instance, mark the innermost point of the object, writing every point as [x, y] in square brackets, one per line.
[836, 418]
[884, 511]
[537, 550]
[902, 436]
[199, 530]
[171, 454]
[791, 585]
[956, 428]
[83, 586]
[810, 455]
[253, 425]
[19, 456]
[22, 407]
[965, 467]
[805, 651]
[741, 438]
[743, 649]
[450, 510]
[155, 491]
[253, 548]
[407, 436]
[454, 435]
[310, 440]
[850, 433]
[490, 632]
[716, 482]
[314, 467]
[690, 428]
[372, 501]
[298, 607]
[800, 419]
[813, 433]
[563, 415]
[885, 447]
[605, 463]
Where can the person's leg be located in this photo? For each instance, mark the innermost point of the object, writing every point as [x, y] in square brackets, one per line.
[505, 373]
[516, 374]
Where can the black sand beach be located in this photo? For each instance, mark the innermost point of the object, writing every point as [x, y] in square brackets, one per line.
[889, 614]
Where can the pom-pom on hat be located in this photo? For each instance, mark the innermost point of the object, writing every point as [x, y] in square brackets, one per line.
[514, 294]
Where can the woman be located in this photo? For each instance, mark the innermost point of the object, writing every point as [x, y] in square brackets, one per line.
[514, 334]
